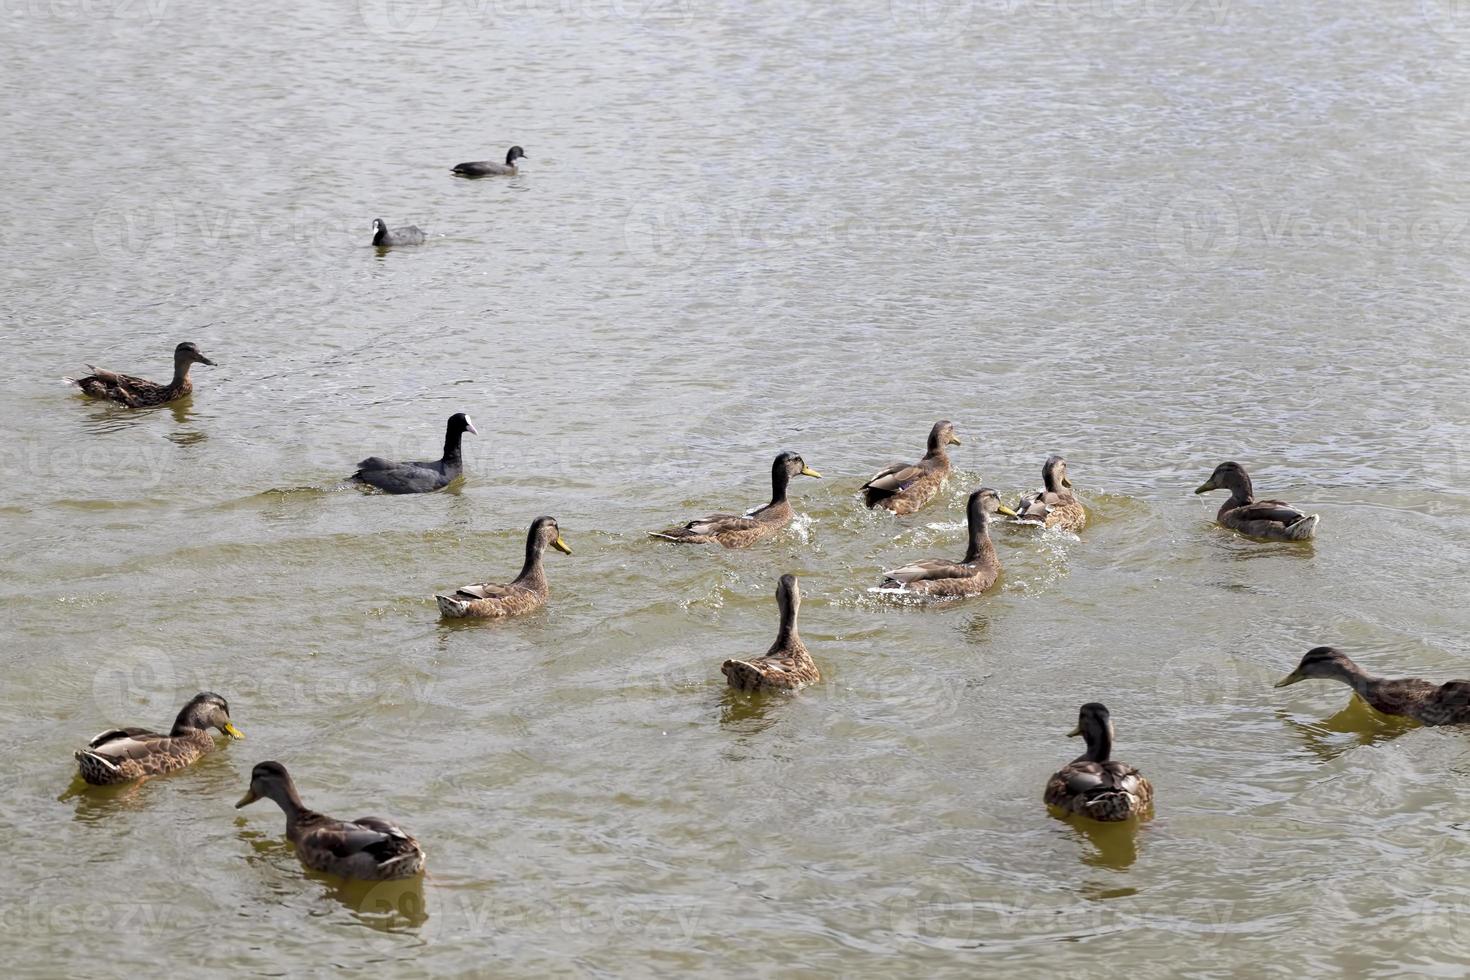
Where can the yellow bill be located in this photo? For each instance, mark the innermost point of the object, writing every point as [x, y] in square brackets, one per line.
[1003, 509]
[808, 471]
[561, 545]
[233, 732]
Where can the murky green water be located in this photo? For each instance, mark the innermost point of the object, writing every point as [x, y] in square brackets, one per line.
[1148, 236]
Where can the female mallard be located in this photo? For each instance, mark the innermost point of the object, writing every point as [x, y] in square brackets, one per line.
[1092, 785]
[384, 237]
[786, 666]
[971, 575]
[369, 848]
[138, 393]
[529, 591]
[1273, 519]
[1055, 505]
[391, 476]
[489, 168]
[903, 488]
[1410, 697]
[741, 532]
[121, 755]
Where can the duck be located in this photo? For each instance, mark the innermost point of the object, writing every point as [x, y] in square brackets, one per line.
[489, 168]
[122, 755]
[1054, 505]
[1272, 519]
[368, 848]
[1408, 697]
[137, 392]
[405, 235]
[732, 531]
[786, 666]
[391, 476]
[972, 574]
[903, 488]
[528, 592]
[1094, 785]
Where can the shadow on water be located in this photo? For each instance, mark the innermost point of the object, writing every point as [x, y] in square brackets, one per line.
[750, 713]
[1113, 846]
[98, 803]
[1357, 718]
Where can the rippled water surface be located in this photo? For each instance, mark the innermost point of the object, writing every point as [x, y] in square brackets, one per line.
[1150, 236]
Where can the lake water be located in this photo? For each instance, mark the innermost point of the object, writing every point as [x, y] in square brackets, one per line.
[1149, 235]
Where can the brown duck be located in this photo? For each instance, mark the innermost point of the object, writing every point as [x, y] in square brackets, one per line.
[903, 487]
[121, 755]
[971, 575]
[138, 393]
[1055, 505]
[1274, 519]
[786, 666]
[528, 592]
[1408, 697]
[1094, 785]
[732, 531]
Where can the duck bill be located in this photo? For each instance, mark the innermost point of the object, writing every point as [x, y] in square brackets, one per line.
[1003, 509]
[561, 545]
[205, 360]
[808, 471]
[1075, 732]
[233, 732]
[1205, 487]
[1290, 679]
[470, 428]
[250, 797]
[1066, 483]
[955, 441]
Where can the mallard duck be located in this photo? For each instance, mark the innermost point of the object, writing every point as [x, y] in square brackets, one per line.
[971, 575]
[1054, 505]
[489, 168]
[391, 476]
[786, 666]
[1273, 519]
[1409, 697]
[741, 532]
[405, 235]
[138, 393]
[529, 591]
[121, 755]
[903, 487]
[368, 848]
[1093, 785]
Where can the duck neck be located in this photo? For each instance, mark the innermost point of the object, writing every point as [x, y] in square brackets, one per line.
[187, 723]
[380, 234]
[1357, 678]
[980, 543]
[936, 448]
[787, 636]
[452, 438]
[531, 571]
[1241, 490]
[779, 481]
[1050, 481]
[181, 372]
[1099, 746]
[286, 797]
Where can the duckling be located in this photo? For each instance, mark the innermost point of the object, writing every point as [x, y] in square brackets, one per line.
[368, 848]
[1054, 506]
[138, 393]
[1409, 697]
[1274, 519]
[489, 168]
[742, 532]
[391, 476]
[786, 666]
[528, 592]
[1092, 785]
[904, 488]
[971, 575]
[121, 755]
[406, 235]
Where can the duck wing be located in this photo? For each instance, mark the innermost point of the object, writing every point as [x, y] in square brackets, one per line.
[1034, 506]
[928, 568]
[1275, 511]
[893, 480]
[395, 477]
[486, 590]
[127, 743]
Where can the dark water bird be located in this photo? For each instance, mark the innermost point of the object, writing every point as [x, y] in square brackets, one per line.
[905, 487]
[786, 666]
[391, 476]
[404, 235]
[137, 392]
[529, 591]
[1274, 519]
[971, 575]
[121, 755]
[1093, 785]
[733, 531]
[368, 848]
[489, 168]
[1409, 697]
[1054, 505]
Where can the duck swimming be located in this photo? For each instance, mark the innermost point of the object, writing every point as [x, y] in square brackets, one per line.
[391, 476]
[121, 755]
[1408, 697]
[1093, 785]
[404, 235]
[489, 168]
[1274, 519]
[786, 666]
[971, 575]
[732, 531]
[137, 392]
[903, 488]
[1054, 505]
[529, 591]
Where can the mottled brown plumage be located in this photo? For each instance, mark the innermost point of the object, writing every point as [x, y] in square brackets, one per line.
[786, 666]
[1274, 519]
[1054, 505]
[121, 755]
[528, 592]
[1093, 785]
[905, 487]
[368, 848]
[733, 531]
[1408, 697]
[137, 392]
[971, 575]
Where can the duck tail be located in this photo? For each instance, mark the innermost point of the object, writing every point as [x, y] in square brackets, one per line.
[96, 769]
[743, 676]
[1113, 806]
[671, 534]
[450, 606]
[1304, 529]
